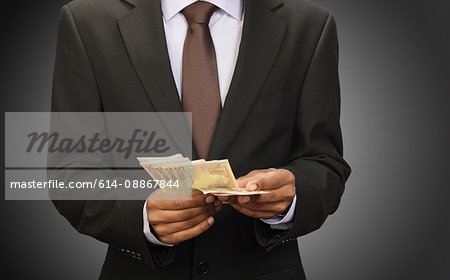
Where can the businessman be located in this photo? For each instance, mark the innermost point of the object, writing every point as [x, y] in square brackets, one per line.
[261, 80]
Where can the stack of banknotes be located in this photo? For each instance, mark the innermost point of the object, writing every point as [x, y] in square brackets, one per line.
[178, 173]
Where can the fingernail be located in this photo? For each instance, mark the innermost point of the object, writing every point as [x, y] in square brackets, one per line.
[210, 199]
[223, 198]
[210, 220]
[217, 202]
[245, 199]
[252, 187]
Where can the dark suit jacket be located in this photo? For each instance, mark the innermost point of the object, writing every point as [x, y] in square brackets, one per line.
[282, 111]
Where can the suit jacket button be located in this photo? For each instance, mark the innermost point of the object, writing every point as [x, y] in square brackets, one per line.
[203, 268]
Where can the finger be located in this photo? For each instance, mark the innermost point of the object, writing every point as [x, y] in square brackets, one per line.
[190, 233]
[218, 208]
[273, 196]
[196, 201]
[285, 193]
[265, 182]
[273, 179]
[170, 228]
[253, 213]
[244, 199]
[223, 198]
[217, 202]
[274, 207]
[230, 199]
[158, 216]
[242, 181]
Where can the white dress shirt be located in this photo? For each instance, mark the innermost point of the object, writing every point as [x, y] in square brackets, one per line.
[226, 32]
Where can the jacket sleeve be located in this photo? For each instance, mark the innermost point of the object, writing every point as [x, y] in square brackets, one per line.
[316, 158]
[118, 223]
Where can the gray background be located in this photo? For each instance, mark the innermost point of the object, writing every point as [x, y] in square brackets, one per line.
[394, 220]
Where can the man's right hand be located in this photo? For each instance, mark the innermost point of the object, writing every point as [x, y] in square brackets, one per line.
[178, 220]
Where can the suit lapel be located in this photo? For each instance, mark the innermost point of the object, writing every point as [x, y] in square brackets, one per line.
[143, 34]
[262, 35]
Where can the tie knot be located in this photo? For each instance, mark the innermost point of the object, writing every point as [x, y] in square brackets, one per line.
[199, 12]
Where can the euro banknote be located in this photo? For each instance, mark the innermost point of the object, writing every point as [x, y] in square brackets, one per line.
[210, 177]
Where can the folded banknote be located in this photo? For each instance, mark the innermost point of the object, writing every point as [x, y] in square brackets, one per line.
[210, 177]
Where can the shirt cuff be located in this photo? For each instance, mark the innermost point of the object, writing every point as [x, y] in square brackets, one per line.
[283, 223]
[148, 233]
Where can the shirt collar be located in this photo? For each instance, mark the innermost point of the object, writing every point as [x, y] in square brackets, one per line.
[172, 7]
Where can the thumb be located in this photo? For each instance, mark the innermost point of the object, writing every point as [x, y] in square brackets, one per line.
[266, 181]
[242, 181]
[252, 185]
[250, 181]
[247, 180]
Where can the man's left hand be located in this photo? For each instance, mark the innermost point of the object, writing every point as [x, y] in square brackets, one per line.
[280, 183]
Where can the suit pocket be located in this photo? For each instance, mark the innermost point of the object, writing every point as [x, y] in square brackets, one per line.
[272, 104]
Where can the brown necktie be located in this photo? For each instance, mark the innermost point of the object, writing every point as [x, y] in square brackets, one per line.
[200, 82]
